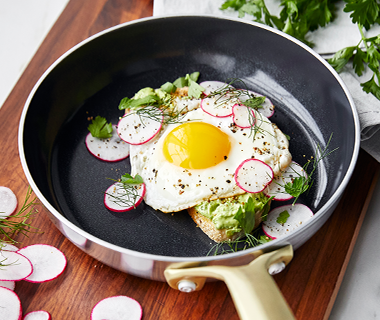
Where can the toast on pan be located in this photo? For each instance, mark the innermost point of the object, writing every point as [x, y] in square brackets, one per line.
[211, 225]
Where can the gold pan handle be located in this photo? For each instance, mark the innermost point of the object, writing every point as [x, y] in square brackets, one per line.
[253, 290]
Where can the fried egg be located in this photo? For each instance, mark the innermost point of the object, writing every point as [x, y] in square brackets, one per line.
[195, 160]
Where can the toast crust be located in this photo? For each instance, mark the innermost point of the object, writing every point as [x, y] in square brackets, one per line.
[207, 226]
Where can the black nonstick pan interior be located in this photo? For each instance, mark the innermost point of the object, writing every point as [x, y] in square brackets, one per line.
[92, 79]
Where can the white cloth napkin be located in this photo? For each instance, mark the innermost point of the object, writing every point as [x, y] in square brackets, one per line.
[337, 35]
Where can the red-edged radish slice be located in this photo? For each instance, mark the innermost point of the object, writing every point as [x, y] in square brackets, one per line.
[8, 246]
[10, 305]
[37, 315]
[253, 175]
[243, 116]
[267, 109]
[11, 285]
[218, 106]
[298, 214]
[16, 266]
[121, 198]
[8, 202]
[135, 129]
[110, 150]
[276, 188]
[211, 86]
[117, 308]
[48, 262]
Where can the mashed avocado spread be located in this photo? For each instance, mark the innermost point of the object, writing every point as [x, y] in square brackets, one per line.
[222, 211]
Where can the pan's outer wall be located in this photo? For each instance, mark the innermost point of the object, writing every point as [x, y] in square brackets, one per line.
[226, 48]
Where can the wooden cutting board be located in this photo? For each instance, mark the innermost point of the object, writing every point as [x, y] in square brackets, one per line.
[310, 283]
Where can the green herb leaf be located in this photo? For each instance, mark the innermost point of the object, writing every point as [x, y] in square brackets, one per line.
[194, 76]
[99, 128]
[127, 103]
[234, 4]
[246, 216]
[364, 12]
[128, 179]
[283, 217]
[254, 102]
[168, 87]
[341, 58]
[264, 239]
[195, 90]
[371, 87]
[297, 187]
[358, 61]
[181, 82]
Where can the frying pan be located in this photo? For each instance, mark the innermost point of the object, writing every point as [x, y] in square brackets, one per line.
[312, 104]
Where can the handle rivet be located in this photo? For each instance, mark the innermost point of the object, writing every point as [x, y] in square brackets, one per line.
[276, 268]
[186, 286]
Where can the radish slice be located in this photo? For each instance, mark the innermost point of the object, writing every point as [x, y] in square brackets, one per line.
[135, 129]
[8, 202]
[10, 305]
[48, 262]
[16, 266]
[243, 116]
[120, 197]
[211, 86]
[11, 285]
[267, 109]
[298, 214]
[110, 150]
[218, 106]
[276, 188]
[37, 315]
[117, 308]
[8, 247]
[253, 175]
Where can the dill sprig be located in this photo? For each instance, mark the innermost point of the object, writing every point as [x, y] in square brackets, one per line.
[244, 242]
[12, 225]
[126, 193]
[165, 113]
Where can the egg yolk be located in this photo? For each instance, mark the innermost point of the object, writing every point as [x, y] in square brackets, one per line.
[196, 145]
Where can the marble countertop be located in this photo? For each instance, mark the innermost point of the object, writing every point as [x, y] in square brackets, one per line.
[24, 25]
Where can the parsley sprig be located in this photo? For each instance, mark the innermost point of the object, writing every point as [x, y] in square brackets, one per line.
[99, 128]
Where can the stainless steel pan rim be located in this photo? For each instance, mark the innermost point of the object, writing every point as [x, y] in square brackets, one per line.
[279, 242]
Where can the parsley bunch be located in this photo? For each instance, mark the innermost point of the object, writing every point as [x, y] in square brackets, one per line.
[296, 18]
[299, 17]
[364, 13]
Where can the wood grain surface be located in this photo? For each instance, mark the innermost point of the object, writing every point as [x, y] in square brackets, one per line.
[310, 283]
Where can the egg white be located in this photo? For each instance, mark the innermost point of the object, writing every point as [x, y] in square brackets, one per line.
[171, 188]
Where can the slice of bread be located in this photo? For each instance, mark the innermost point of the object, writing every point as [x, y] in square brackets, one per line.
[208, 227]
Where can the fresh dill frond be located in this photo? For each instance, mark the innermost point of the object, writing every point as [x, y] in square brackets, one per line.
[19, 222]
[126, 193]
[246, 241]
